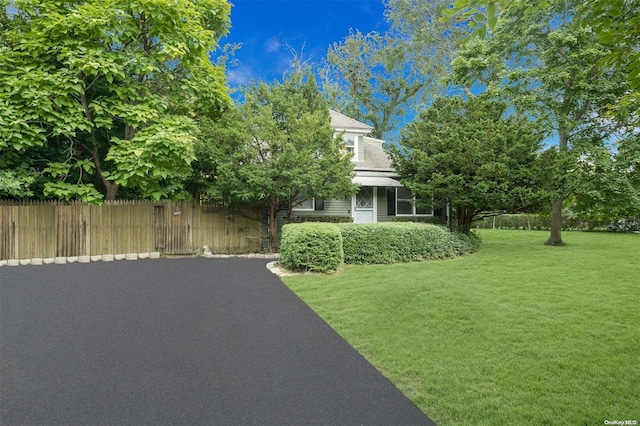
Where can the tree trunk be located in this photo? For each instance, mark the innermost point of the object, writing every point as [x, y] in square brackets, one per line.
[273, 225]
[464, 216]
[111, 190]
[555, 237]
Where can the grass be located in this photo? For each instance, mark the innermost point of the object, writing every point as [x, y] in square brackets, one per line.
[518, 333]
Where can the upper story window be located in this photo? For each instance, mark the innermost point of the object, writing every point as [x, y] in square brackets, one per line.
[351, 144]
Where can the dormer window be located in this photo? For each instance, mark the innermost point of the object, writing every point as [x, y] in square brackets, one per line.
[351, 144]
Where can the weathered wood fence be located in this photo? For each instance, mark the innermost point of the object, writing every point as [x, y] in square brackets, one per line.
[49, 229]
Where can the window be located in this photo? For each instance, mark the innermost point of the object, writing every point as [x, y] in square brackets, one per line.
[351, 143]
[314, 204]
[405, 204]
[305, 205]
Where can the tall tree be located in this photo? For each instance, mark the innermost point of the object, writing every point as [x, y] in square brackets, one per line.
[99, 94]
[372, 78]
[469, 155]
[607, 184]
[549, 70]
[276, 148]
[380, 78]
[615, 22]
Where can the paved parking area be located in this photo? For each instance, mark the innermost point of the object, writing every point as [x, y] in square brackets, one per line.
[178, 342]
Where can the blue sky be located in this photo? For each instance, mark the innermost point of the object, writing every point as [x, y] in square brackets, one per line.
[266, 27]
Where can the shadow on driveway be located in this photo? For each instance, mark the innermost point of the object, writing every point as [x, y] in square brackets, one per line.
[181, 342]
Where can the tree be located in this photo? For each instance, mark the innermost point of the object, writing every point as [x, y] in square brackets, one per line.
[628, 158]
[101, 94]
[380, 78]
[549, 70]
[607, 187]
[277, 148]
[616, 23]
[469, 155]
[371, 78]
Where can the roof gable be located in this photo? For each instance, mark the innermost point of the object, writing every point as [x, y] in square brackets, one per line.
[342, 122]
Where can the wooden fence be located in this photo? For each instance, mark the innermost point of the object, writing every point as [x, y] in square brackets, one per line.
[49, 229]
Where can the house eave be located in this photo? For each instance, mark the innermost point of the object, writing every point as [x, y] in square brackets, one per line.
[379, 172]
[373, 169]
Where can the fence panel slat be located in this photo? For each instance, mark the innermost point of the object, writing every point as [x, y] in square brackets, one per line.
[47, 229]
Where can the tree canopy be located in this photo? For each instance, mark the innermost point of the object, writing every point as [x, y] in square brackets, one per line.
[470, 155]
[615, 23]
[606, 183]
[101, 94]
[381, 79]
[552, 71]
[277, 147]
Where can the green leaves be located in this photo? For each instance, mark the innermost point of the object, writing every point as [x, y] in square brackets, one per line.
[376, 78]
[607, 186]
[83, 85]
[615, 22]
[16, 183]
[68, 191]
[277, 146]
[492, 17]
[158, 152]
[467, 154]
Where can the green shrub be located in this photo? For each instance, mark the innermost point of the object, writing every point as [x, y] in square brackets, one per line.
[539, 222]
[311, 246]
[401, 242]
[625, 225]
[436, 220]
[326, 219]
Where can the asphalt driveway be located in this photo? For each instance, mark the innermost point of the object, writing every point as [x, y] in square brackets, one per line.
[181, 342]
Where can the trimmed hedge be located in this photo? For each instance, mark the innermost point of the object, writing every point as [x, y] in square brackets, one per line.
[325, 219]
[436, 220]
[401, 242]
[570, 222]
[310, 246]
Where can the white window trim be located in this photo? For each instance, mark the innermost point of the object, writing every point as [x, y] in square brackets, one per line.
[413, 207]
[356, 144]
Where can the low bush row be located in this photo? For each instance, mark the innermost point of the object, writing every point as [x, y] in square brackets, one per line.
[324, 247]
[400, 242]
[436, 220]
[325, 219]
[570, 222]
[311, 246]
[625, 225]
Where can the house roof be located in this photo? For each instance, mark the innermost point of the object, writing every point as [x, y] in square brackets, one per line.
[342, 122]
[375, 158]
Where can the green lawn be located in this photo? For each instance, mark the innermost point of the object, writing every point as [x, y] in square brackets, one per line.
[518, 333]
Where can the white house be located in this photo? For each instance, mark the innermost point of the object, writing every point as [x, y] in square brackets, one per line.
[381, 196]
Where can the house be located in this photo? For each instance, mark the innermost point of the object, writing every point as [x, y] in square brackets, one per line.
[381, 196]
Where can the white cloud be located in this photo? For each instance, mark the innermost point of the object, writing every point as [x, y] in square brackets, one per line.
[240, 76]
[272, 45]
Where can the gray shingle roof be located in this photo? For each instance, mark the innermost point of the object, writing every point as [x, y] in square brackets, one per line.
[342, 122]
[375, 158]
